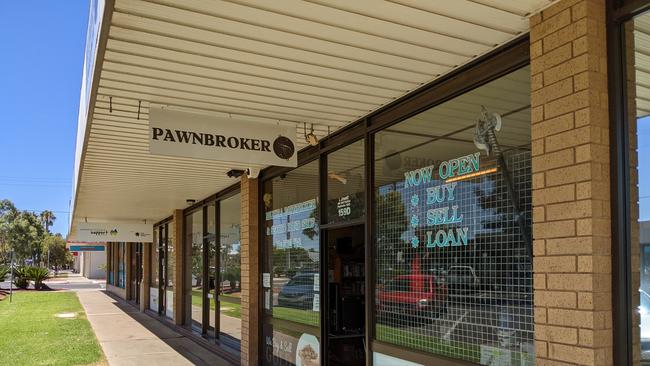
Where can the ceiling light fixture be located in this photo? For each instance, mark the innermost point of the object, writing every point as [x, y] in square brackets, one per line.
[310, 138]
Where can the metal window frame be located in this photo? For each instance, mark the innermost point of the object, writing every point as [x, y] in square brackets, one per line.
[489, 67]
[618, 12]
[162, 227]
[164, 269]
[203, 206]
[219, 197]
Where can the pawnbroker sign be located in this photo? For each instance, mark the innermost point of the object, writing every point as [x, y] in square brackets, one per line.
[176, 133]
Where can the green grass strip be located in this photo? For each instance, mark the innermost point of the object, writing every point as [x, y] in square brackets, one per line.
[30, 334]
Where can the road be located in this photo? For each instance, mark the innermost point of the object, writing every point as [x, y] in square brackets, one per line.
[71, 281]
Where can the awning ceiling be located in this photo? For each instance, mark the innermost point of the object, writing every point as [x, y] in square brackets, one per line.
[326, 62]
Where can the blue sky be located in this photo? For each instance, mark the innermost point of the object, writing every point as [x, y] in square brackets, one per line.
[41, 47]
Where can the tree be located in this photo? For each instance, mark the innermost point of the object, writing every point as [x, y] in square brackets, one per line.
[59, 255]
[47, 219]
[8, 214]
[26, 235]
[392, 223]
[20, 231]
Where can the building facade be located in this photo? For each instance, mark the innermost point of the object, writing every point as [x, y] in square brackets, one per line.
[470, 186]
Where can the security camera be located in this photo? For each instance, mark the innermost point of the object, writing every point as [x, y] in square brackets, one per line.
[235, 173]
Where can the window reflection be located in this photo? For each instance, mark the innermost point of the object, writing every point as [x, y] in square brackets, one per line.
[290, 283]
[346, 184]
[230, 266]
[194, 242]
[453, 263]
[638, 41]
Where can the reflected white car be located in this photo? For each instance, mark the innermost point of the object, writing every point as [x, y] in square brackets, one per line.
[644, 312]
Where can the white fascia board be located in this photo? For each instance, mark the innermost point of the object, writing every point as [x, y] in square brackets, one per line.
[99, 16]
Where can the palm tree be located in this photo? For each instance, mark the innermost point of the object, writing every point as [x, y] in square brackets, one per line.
[47, 218]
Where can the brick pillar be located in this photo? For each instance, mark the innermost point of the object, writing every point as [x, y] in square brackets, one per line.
[179, 284]
[127, 271]
[571, 189]
[146, 281]
[250, 262]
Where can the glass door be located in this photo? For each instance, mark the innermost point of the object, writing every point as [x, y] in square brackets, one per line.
[228, 286]
[291, 263]
[194, 229]
[343, 237]
[154, 271]
[213, 276]
[135, 264]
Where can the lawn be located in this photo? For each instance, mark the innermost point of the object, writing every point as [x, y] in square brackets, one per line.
[422, 342]
[297, 315]
[232, 309]
[227, 308]
[30, 334]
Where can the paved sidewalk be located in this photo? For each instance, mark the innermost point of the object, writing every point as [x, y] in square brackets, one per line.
[75, 282]
[129, 337]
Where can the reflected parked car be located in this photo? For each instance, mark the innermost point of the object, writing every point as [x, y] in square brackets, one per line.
[462, 279]
[644, 312]
[415, 296]
[298, 293]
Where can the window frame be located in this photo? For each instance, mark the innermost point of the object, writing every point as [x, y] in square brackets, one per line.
[203, 206]
[498, 63]
[618, 13]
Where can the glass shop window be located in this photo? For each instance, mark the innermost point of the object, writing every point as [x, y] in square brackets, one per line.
[290, 281]
[637, 32]
[346, 184]
[194, 274]
[121, 274]
[169, 268]
[453, 227]
[230, 266]
[109, 264]
[153, 267]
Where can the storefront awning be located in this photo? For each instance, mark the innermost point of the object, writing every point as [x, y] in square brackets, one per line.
[298, 63]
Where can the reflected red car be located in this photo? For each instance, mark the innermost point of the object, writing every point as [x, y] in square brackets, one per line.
[419, 296]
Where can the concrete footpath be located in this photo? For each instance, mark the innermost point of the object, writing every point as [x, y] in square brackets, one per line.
[129, 337]
[76, 282]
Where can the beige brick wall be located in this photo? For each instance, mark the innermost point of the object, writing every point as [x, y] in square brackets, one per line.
[127, 270]
[250, 262]
[146, 268]
[571, 185]
[179, 284]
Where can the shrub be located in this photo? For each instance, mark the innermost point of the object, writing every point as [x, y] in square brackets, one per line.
[4, 271]
[38, 275]
[21, 278]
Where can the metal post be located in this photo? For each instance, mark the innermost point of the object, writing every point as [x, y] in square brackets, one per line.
[11, 279]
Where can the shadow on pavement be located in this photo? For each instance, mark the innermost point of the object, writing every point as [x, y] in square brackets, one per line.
[196, 350]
